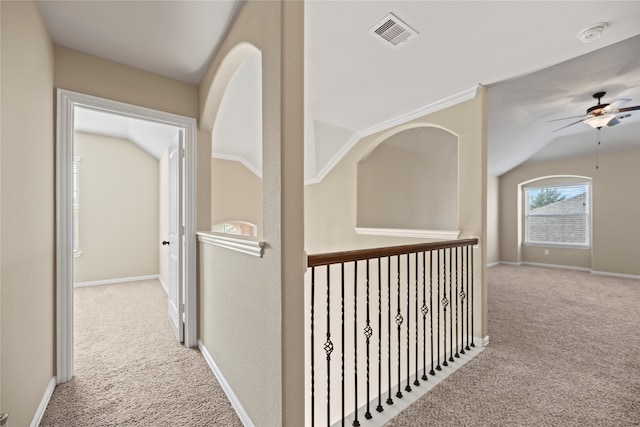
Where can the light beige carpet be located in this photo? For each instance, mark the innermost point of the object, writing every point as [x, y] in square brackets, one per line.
[564, 351]
[129, 368]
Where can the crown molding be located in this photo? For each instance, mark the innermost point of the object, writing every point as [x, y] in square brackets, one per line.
[441, 104]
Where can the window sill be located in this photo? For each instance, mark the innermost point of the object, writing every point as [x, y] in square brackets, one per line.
[557, 245]
[403, 232]
[236, 243]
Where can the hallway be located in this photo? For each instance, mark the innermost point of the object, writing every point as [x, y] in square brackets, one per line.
[129, 368]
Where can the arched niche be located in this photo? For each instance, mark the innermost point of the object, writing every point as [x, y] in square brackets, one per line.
[410, 182]
[236, 137]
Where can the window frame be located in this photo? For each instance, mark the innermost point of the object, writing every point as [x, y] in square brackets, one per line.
[75, 198]
[587, 215]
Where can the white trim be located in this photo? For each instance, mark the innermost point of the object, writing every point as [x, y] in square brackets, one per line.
[44, 402]
[164, 285]
[441, 104]
[561, 267]
[493, 264]
[67, 101]
[485, 341]
[403, 232]
[117, 280]
[235, 402]
[621, 275]
[240, 159]
[399, 405]
[249, 247]
[508, 263]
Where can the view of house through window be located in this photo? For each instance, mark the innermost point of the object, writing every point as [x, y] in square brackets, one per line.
[558, 215]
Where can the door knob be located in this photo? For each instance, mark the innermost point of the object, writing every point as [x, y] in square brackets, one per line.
[165, 242]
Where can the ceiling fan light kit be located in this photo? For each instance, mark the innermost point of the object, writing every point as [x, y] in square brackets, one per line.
[592, 33]
[597, 122]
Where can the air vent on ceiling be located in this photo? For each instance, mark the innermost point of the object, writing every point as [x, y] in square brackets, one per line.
[393, 30]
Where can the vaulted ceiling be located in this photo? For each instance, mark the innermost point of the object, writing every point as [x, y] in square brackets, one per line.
[355, 81]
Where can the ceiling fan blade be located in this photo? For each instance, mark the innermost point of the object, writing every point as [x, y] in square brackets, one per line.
[566, 126]
[622, 110]
[566, 118]
[615, 104]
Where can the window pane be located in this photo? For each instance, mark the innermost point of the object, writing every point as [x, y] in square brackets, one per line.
[558, 214]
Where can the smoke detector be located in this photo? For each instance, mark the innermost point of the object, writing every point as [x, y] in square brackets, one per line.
[393, 31]
[592, 33]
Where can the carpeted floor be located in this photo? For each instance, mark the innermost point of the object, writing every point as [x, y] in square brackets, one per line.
[564, 351]
[129, 368]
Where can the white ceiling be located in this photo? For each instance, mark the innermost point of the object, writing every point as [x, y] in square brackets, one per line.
[154, 138]
[176, 39]
[355, 82]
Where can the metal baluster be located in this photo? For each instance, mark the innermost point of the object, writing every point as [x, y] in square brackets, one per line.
[328, 347]
[389, 399]
[356, 423]
[467, 263]
[432, 372]
[342, 335]
[451, 308]
[463, 295]
[408, 387]
[445, 303]
[416, 382]
[313, 374]
[424, 311]
[472, 292]
[438, 305]
[399, 320]
[367, 333]
[379, 408]
[457, 306]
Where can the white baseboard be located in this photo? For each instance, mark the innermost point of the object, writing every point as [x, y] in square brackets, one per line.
[164, 285]
[390, 411]
[562, 267]
[242, 414]
[44, 402]
[493, 264]
[624, 276]
[118, 280]
[485, 341]
[569, 267]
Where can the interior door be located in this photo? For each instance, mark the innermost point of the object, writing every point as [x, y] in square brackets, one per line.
[176, 238]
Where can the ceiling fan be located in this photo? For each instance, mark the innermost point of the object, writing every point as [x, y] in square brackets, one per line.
[601, 114]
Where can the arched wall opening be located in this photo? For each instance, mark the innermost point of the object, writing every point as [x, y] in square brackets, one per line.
[410, 181]
[236, 137]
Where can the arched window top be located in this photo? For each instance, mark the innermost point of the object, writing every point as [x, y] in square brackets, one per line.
[241, 228]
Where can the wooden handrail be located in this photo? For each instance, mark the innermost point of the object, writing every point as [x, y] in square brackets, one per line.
[362, 254]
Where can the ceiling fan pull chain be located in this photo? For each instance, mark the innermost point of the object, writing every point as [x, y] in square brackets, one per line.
[597, 149]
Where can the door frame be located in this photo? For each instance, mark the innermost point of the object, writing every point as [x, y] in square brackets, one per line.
[66, 103]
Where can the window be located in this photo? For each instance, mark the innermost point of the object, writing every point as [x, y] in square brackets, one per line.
[76, 206]
[558, 215]
[241, 228]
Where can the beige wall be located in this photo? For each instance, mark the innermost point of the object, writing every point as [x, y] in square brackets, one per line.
[27, 228]
[493, 219]
[251, 309]
[410, 181]
[615, 217]
[163, 217]
[329, 229]
[118, 209]
[236, 193]
[91, 75]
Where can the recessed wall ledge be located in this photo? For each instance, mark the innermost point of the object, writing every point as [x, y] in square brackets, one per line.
[236, 243]
[404, 232]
